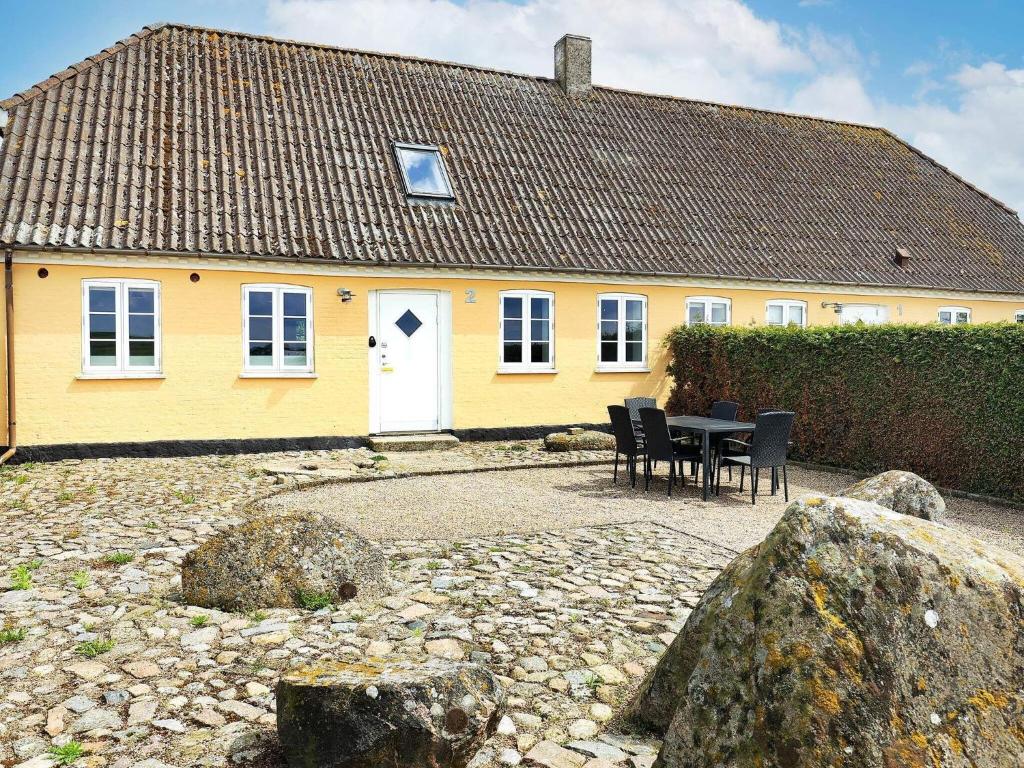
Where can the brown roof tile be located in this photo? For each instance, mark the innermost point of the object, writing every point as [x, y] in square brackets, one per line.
[192, 140]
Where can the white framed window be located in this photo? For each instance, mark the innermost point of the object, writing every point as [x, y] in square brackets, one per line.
[527, 331]
[621, 332]
[277, 335]
[1018, 316]
[120, 328]
[786, 312]
[423, 171]
[712, 310]
[954, 315]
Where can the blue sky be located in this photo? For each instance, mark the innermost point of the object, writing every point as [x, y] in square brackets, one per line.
[947, 75]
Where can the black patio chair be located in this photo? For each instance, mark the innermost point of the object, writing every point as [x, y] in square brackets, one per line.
[661, 446]
[633, 405]
[767, 449]
[626, 442]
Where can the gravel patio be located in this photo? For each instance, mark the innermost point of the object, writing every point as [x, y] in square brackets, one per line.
[566, 586]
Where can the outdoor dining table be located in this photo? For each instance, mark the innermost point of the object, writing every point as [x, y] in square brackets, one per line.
[702, 425]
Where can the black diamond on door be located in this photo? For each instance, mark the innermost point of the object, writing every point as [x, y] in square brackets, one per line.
[408, 323]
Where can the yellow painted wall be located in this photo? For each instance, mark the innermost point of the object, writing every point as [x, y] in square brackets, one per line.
[202, 396]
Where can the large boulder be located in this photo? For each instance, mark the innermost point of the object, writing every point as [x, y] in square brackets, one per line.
[284, 561]
[577, 439]
[902, 492]
[852, 636]
[380, 714]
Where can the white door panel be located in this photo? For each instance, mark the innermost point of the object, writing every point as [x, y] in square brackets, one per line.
[408, 362]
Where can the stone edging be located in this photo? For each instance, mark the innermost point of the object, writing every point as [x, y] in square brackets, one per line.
[248, 505]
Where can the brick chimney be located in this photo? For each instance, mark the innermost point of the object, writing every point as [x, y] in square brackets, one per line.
[572, 65]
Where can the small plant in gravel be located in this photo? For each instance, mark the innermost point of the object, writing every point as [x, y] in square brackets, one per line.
[433, 565]
[312, 600]
[92, 489]
[10, 635]
[21, 577]
[80, 579]
[199, 620]
[378, 458]
[20, 479]
[119, 558]
[185, 497]
[93, 648]
[592, 681]
[16, 504]
[150, 524]
[66, 495]
[255, 617]
[357, 617]
[66, 754]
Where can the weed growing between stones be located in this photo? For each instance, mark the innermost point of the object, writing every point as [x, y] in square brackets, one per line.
[119, 558]
[314, 601]
[80, 579]
[21, 577]
[199, 620]
[12, 635]
[67, 753]
[93, 648]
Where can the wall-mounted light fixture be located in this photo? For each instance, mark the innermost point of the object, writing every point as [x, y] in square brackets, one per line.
[346, 295]
[836, 306]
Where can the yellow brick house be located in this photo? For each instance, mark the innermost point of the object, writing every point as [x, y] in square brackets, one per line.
[216, 241]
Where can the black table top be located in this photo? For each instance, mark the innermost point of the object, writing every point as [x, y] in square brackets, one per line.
[708, 425]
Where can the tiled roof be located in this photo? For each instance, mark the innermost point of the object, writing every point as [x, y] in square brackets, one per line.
[190, 140]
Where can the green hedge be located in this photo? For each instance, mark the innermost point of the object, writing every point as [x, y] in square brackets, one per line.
[946, 402]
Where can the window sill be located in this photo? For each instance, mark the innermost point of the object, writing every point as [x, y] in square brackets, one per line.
[278, 375]
[620, 369]
[108, 376]
[515, 371]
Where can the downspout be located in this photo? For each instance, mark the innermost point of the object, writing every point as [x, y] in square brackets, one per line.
[12, 429]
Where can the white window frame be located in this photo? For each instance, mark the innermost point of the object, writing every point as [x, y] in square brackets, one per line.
[1018, 316]
[787, 305]
[953, 312]
[122, 369]
[399, 146]
[621, 364]
[526, 366]
[707, 301]
[278, 369]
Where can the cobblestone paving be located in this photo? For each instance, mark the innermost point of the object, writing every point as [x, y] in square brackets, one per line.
[96, 650]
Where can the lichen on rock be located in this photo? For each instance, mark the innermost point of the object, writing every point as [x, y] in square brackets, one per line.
[284, 561]
[851, 636]
[902, 492]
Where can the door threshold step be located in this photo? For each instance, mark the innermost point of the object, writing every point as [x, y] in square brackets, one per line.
[439, 441]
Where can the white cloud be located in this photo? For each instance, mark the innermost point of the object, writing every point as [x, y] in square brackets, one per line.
[718, 50]
[711, 49]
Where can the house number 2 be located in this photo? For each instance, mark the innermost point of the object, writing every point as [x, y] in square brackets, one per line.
[471, 296]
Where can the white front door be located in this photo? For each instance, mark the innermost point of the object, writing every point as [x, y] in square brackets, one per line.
[869, 314]
[407, 362]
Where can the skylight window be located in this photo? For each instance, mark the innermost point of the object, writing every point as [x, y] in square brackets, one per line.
[423, 171]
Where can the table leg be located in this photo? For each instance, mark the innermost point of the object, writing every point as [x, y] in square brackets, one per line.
[706, 449]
